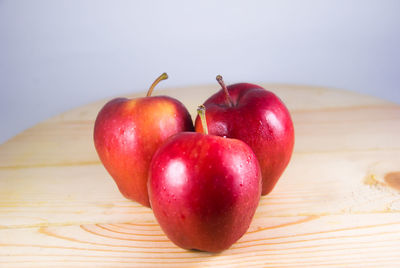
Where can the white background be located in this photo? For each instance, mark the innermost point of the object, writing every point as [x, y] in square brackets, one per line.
[56, 55]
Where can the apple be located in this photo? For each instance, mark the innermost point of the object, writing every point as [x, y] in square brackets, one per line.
[258, 117]
[127, 132]
[204, 190]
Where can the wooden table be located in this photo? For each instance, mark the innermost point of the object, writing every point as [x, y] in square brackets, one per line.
[337, 204]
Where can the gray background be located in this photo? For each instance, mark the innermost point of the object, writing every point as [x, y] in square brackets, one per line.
[56, 55]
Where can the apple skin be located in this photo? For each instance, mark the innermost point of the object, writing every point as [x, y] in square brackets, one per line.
[127, 132]
[260, 119]
[204, 190]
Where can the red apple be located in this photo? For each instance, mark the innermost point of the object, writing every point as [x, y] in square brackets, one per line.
[127, 132]
[204, 190]
[259, 118]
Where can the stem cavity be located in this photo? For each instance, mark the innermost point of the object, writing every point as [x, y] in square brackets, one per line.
[201, 111]
[163, 76]
[228, 97]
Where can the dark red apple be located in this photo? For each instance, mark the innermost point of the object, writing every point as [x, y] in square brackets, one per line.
[204, 190]
[127, 132]
[259, 118]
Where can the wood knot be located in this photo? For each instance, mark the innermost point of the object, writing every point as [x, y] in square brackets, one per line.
[393, 179]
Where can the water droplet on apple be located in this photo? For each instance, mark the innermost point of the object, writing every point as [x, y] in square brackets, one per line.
[248, 159]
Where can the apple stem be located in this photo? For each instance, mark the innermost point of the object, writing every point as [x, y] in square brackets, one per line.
[201, 111]
[228, 97]
[163, 76]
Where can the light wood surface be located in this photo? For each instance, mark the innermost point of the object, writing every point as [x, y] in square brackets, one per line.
[337, 204]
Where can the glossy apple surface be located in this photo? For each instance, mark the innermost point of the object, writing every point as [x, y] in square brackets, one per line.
[204, 190]
[260, 119]
[127, 132]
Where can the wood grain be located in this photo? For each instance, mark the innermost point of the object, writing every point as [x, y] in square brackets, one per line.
[337, 204]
